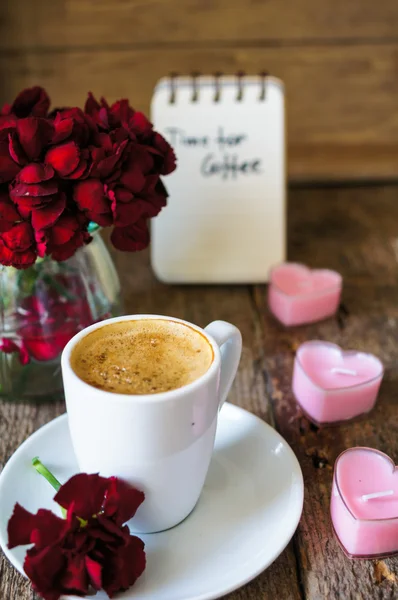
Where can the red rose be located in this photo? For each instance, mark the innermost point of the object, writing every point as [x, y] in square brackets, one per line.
[91, 549]
[63, 239]
[29, 138]
[8, 213]
[36, 194]
[17, 246]
[132, 238]
[30, 102]
[68, 161]
[90, 197]
[71, 124]
[46, 321]
[9, 347]
[8, 167]
[121, 114]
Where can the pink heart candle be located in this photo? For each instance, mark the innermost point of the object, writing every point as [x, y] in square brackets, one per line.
[298, 295]
[364, 503]
[331, 385]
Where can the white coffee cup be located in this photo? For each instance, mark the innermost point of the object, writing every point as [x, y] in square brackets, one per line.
[160, 443]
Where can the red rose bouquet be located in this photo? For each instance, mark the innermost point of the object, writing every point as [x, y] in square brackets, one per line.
[60, 170]
[63, 174]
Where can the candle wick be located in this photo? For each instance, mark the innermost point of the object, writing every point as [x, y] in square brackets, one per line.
[343, 371]
[366, 497]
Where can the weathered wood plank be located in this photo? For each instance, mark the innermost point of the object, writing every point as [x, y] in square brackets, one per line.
[354, 232]
[341, 108]
[97, 22]
[143, 294]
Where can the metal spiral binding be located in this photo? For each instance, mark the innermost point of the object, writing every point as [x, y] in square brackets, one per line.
[240, 75]
[173, 77]
[195, 92]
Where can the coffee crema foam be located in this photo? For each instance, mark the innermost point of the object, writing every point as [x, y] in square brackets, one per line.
[143, 356]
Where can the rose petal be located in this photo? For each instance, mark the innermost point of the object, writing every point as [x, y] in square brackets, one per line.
[19, 260]
[33, 101]
[64, 158]
[122, 501]
[39, 346]
[80, 171]
[8, 211]
[140, 124]
[121, 111]
[121, 195]
[139, 157]
[6, 110]
[92, 106]
[94, 570]
[47, 215]
[15, 149]
[62, 129]
[34, 133]
[129, 213]
[22, 525]
[75, 578]
[9, 347]
[124, 566]
[89, 195]
[132, 238]
[133, 179]
[43, 569]
[85, 491]
[44, 188]
[63, 230]
[8, 167]
[35, 173]
[19, 238]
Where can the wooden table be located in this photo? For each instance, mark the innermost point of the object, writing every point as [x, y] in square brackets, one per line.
[355, 231]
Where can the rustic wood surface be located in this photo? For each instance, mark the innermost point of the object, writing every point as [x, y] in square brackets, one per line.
[338, 61]
[77, 23]
[353, 230]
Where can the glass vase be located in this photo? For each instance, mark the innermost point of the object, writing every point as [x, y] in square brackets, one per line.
[41, 309]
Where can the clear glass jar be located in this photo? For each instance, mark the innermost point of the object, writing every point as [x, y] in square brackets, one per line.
[41, 309]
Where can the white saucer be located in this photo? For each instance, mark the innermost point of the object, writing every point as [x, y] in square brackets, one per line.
[249, 509]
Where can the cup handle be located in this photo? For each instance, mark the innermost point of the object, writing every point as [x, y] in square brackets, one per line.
[229, 339]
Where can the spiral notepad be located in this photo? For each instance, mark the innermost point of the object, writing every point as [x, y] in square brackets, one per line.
[225, 219]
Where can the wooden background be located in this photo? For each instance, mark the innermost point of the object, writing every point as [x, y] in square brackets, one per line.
[338, 58]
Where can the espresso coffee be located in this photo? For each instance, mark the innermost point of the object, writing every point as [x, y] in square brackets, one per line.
[143, 356]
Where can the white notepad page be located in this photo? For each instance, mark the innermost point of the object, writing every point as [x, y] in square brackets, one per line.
[225, 220]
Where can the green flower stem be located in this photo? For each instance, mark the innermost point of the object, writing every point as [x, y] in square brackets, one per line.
[40, 468]
[61, 289]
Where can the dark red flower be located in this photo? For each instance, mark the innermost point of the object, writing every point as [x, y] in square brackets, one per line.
[64, 237]
[92, 549]
[17, 246]
[8, 213]
[66, 168]
[64, 158]
[8, 167]
[90, 197]
[132, 238]
[122, 115]
[30, 102]
[46, 321]
[33, 134]
[9, 347]
[72, 124]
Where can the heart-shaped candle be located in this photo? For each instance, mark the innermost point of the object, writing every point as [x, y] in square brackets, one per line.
[364, 503]
[298, 295]
[331, 385]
